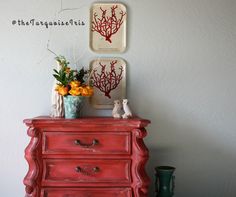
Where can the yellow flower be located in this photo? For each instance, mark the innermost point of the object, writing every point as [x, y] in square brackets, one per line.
[57, 88]
[74, 84]
[74, 91]
[62, 90]
[81, 91]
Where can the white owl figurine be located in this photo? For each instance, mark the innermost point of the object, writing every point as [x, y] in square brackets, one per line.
[126, 109]
[117, 110]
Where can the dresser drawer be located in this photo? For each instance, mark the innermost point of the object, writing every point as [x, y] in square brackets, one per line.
[72, 171]
[86, 143]
[87, 192]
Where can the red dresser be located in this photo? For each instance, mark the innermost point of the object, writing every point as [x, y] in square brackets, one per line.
[86, 157]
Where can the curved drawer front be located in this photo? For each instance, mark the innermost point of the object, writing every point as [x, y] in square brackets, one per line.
[87, 192]
[86, 143]
[86, 171]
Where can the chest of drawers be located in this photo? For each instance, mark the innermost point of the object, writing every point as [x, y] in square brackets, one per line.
[86, 157]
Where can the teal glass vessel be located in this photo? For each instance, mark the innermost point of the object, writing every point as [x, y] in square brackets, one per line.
[165, 182]
[72, 105]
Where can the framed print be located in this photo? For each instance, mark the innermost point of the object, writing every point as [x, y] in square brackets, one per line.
[108, 76]
[108, 27]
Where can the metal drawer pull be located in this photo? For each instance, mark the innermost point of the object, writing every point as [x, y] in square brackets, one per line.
[79, 169]
[96, 169]
[95, 142]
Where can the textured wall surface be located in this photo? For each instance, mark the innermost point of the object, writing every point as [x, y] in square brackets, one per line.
[181, 75]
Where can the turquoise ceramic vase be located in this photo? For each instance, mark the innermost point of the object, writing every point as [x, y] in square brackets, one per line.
[165, 181]
[72, 105]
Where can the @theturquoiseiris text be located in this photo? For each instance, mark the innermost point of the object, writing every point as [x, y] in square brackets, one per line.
[47, 24]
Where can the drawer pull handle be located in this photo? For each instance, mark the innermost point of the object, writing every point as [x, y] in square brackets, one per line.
[96, 169]
[95, 142]
[80, 170]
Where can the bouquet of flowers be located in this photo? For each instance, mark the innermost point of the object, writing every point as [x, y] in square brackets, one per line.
[72, 82]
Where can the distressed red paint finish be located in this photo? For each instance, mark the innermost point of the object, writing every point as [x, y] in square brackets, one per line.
[107, 81]
[83, 157]
[106, 25]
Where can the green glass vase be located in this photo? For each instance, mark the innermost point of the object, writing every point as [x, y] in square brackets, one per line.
[72, 105]
[165, 182]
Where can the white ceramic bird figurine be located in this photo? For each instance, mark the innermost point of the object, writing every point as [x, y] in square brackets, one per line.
[126, 109]
[117, 110]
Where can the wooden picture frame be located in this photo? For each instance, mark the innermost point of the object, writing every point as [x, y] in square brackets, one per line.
[108, 27]
[109, 80]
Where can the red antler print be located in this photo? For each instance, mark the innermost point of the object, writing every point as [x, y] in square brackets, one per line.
[107, 81]
[107, 26]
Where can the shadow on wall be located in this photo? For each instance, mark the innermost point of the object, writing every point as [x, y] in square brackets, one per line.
[202, 169]
[204, 166]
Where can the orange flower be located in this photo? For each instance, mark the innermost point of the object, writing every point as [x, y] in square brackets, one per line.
[74, 84]
[80, 89]
[62, 90]
[90, 90]
[85, 92]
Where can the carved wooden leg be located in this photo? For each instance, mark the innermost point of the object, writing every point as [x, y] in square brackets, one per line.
[31, 155]
[140, 157]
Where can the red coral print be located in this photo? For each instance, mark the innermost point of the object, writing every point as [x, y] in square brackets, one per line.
[107, 81]
[107, 26]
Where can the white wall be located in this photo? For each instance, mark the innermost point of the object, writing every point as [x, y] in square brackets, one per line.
[181, 75]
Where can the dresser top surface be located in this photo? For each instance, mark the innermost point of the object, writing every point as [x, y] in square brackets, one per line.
[46, 120]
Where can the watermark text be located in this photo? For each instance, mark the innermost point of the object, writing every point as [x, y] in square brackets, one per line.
[47, 24]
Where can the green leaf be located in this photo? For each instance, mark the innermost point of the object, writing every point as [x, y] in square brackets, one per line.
[58, 78]
[55, 71]
[80, 75]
